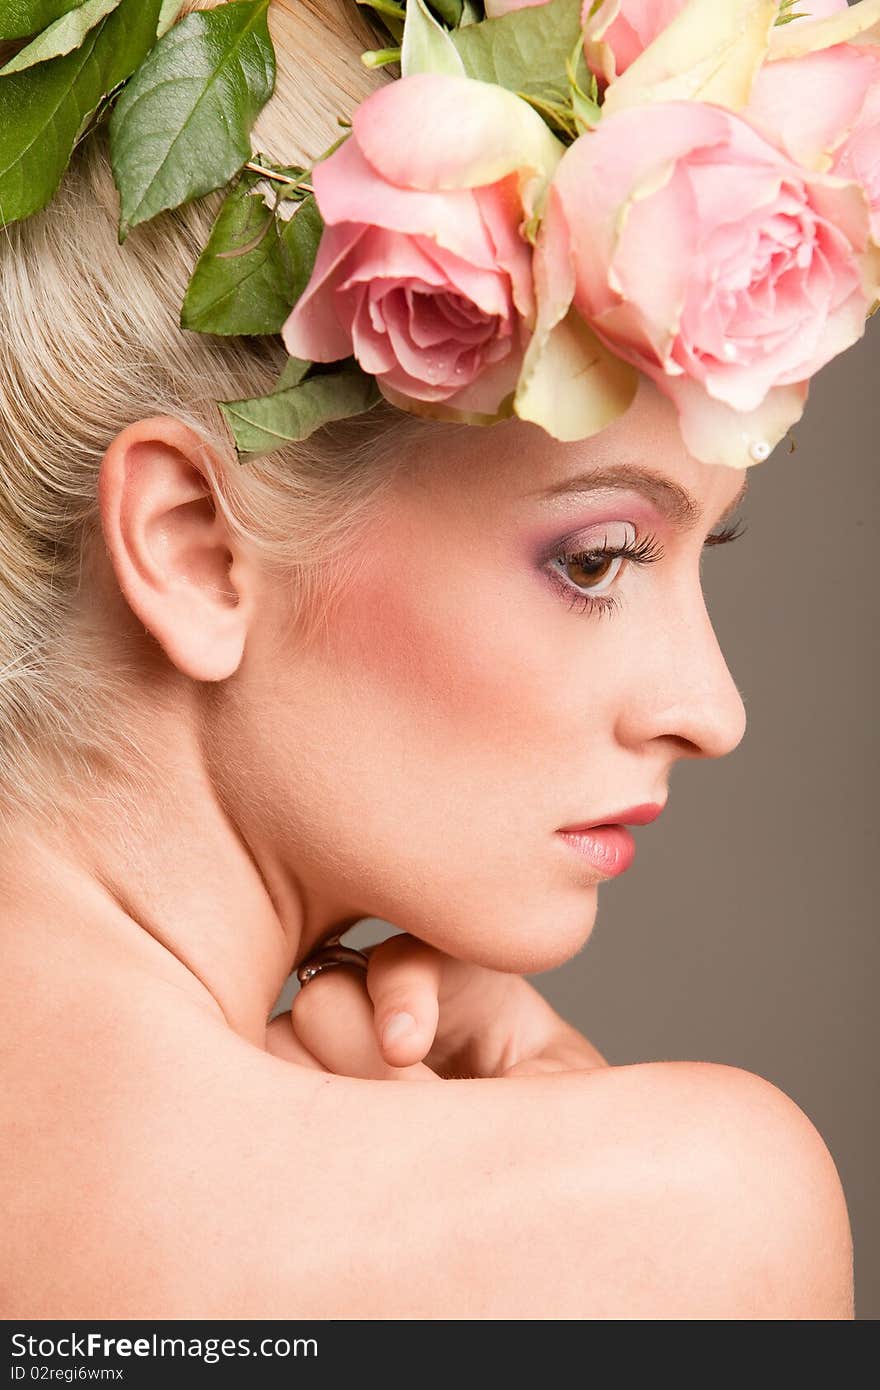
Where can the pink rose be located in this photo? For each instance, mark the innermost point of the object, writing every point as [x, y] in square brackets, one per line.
[858, 156]
[620, 30]
[824, 110]
[700, 253]
[422, 273]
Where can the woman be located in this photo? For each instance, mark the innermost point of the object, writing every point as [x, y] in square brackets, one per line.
[248, 707]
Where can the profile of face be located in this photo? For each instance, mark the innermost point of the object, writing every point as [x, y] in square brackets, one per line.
[482, 682]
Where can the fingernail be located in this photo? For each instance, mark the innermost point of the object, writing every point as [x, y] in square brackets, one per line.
[397, 1025]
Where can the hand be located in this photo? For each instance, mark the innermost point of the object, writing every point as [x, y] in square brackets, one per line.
[468, 1020]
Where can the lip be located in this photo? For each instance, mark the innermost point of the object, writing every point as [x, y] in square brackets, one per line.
[608, 845]
[609, 848]
[633, 815]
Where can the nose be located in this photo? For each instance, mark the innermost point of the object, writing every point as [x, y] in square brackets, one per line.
[682, 688]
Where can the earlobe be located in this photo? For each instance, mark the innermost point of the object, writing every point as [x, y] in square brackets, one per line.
[178, 565]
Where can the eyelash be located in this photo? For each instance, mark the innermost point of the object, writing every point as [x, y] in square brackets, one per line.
[644, 552]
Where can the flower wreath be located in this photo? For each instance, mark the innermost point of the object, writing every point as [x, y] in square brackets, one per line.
[554, 197]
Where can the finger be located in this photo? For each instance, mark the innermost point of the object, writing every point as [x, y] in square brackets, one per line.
[332, 1016]
[282, 1041]
[404, 979]
[531, 1066]
[467, 1019]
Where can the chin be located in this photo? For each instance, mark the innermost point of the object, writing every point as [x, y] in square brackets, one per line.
[530, 942]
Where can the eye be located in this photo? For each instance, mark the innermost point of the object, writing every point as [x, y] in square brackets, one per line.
[584, 576]
[593, 570]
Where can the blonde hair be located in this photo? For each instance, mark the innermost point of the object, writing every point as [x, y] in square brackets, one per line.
[90, 342]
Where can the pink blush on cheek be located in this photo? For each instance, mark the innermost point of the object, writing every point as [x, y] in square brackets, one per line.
[434, 651]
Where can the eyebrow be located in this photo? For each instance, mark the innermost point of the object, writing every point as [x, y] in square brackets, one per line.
[670, 498]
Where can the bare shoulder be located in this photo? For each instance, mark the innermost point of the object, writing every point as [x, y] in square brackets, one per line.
[206, 1178]
[740, 1211]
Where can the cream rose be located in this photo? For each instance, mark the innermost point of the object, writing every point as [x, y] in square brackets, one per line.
[699, 252]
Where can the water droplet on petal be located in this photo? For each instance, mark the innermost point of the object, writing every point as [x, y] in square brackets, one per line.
[759, 449]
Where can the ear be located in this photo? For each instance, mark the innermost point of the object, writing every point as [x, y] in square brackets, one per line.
[178, 565]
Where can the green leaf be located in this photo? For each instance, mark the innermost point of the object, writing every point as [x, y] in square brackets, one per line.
[21, 18]
[427, 46]
[449, 11]
[167, 15]
[294, 370]
[254, 267]
[61, 37]
[585, 106]
[786, 14]
[387, 13]
[265, 423]
[44, 110]
[181, 127]
[384, 8]
[524, 50]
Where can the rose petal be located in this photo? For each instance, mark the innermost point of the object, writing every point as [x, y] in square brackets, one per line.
[487, 398]
[819, 9]
[845, 206]
[710, 52]
[715, 433]
[554, 281]
[852, 24]
[463, 133]
[858, 158]
[784, 104]
[348, 189]
[370, 343]
[488, 290]
[312, 329]
[501, 211]
[434, 367]
[723, 191]
[600, 55]
[435, 319]
[844, 326]
[657, 284]
[575, 387]
[604, 173]
[391, 257]
[616, 33]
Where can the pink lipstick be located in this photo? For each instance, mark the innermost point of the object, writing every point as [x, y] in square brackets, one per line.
[607, 844]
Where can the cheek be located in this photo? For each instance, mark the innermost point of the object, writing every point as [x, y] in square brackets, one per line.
[455, 660]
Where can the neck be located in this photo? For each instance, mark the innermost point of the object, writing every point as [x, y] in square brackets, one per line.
[165, 885]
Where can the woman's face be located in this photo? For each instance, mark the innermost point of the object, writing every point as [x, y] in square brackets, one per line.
[465, 701]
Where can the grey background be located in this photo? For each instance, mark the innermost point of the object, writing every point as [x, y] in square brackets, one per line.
[745, 933]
